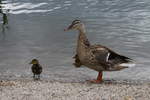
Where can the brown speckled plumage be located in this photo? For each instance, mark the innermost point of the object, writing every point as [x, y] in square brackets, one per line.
[96, 57]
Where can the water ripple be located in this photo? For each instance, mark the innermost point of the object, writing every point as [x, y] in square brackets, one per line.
[20, 8]
[123, 25]
[17, 6]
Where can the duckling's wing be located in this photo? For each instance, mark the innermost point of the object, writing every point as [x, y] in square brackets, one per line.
[33, 68]
[107, 56]
[40, 69]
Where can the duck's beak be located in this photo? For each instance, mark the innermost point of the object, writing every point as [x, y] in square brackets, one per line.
[69, 28]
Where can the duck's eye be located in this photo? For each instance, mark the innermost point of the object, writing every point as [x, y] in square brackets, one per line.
[76, 21]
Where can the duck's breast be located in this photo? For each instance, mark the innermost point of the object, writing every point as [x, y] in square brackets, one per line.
[88, 60]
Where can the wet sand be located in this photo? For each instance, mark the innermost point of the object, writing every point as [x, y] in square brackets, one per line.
[54, 90]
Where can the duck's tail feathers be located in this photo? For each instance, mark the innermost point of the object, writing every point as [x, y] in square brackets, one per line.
[117, 68]
[121, 66]
[128, 64]
[120, 58]
[125, 59]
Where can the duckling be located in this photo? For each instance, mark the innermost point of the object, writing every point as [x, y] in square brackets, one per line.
[96, 57]
[36, 69]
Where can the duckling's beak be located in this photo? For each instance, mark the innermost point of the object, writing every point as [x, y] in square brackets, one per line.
[32, 62]
[69, 28]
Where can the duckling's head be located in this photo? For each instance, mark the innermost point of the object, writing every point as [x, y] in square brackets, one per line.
[76, 25]
[34, 61]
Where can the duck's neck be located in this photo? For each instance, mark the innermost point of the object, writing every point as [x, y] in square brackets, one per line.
[82, 39]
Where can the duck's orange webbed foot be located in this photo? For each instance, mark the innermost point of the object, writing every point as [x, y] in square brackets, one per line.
[99, 78]
[96, 81]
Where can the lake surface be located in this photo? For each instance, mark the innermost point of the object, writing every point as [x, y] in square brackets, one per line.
[34, 29]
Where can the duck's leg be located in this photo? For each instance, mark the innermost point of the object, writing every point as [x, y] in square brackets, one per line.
[99, 78]
[33, 76]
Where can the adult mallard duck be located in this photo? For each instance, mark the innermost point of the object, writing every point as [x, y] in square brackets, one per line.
[96, 57]
[36, 69]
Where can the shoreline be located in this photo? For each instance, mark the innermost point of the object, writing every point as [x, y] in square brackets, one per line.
[54, 90]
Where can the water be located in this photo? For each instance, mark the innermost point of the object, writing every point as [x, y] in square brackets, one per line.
[34, 29]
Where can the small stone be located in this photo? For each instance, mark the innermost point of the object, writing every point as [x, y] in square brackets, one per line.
[128, 98]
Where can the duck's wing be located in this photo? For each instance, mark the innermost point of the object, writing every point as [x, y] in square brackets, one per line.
[108, 57]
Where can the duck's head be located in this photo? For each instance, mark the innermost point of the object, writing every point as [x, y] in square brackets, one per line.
[76, 25]
[34, 61]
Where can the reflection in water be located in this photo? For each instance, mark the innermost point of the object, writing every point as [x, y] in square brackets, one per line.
[4, 18]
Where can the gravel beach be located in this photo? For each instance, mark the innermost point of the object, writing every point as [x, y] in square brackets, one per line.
[54, 90]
